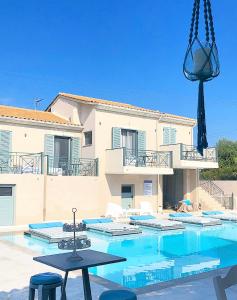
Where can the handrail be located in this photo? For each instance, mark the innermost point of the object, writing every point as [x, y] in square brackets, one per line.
[147, 158]
[190, 152]
[217, 193]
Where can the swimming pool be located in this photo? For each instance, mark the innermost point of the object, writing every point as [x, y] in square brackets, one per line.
[154, 257]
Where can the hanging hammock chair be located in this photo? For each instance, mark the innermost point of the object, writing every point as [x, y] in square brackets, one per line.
[201, 62]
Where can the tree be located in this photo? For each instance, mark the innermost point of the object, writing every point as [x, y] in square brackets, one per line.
[227, 157]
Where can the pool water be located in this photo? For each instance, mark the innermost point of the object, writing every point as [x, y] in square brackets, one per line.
[154, 257]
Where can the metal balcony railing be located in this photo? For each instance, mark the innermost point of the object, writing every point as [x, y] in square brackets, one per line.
[147, 158]
[189, 152]
[21, 163]
[66, 167]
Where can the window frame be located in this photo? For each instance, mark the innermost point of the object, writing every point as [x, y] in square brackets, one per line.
[91, 138]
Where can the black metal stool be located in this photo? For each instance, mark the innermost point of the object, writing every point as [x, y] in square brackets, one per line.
[46, 284]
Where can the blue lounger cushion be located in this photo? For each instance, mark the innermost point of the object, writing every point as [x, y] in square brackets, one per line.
[212, 213]
[45, 225]
[181, 215]
[141, 218]
[187, 202]
[46, 278]
[96, 221]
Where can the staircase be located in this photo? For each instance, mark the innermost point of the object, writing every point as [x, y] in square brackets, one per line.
[212, 197]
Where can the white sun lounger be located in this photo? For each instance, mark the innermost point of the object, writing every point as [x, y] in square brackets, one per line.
[107, 226]
[222, 216]
[195, 220]
[54, 234]
[154, 223]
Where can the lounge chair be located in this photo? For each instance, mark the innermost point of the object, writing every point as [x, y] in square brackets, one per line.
[195, 220]
[114, 210]
[220, 215]
[221, 284]
[107, 226]
[151, 222]
[52, 232]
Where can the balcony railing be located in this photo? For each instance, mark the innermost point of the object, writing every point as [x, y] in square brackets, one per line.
[147, 158]
[191, 153]
[66, 167]
[21, 163]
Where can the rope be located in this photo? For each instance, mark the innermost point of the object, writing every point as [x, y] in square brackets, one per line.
[206, 21]
[192, 21]
[211, 21]
[197, 18]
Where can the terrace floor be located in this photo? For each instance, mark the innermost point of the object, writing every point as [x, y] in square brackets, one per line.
[16, 267]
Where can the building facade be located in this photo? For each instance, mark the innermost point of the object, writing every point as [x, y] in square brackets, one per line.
[85, 152]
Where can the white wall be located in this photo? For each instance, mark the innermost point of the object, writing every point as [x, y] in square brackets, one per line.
[30, 139]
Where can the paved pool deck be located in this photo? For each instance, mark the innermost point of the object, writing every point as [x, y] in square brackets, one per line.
[17, 265]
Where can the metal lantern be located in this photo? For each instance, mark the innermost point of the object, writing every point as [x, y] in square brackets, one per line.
[201, 62]
[76, 242]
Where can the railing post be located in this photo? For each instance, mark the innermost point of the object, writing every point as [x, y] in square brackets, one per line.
[42, 162]
[97, 166]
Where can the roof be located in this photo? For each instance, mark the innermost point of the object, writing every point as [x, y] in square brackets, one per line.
[91, 100]
[30, 114]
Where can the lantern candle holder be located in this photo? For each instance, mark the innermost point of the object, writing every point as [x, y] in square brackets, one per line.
[74, 243]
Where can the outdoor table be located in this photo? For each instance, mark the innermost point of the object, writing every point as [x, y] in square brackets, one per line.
[90, 258]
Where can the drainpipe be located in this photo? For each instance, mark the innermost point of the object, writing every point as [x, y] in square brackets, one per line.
[45, 172]
[158, 176]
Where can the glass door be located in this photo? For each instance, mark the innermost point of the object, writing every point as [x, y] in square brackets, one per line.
[129, 142]
[62, 153]
[127, 195]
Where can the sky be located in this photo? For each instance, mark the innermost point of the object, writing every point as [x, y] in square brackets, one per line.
[124, 50]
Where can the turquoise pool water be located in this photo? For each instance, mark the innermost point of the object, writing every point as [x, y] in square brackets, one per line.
[156, 256]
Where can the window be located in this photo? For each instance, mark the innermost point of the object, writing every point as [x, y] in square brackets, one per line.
[5, 191]
[129, 139]
[88, 138]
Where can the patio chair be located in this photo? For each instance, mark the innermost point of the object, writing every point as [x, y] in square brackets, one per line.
[221, 284]
[146, 208]
[114, 210]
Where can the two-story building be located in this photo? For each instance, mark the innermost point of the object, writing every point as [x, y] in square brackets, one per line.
[85, 152]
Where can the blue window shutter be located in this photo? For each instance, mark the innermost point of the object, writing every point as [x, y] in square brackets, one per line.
[141, 140]
[116, 137]
[5, 149]
[172, 135]
[75, 148]
[49, 145]
[166, 135]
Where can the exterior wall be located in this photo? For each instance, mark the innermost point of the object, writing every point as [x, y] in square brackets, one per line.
[28, 194]
[66, 109]
[191, 185]
[184, 134]
[113, 185]
[65, 192]
[30, 139]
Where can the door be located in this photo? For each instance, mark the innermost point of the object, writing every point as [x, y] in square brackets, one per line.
[61, 152]
[127, 195]
[129, 142]
[173, 189]
[6, 206]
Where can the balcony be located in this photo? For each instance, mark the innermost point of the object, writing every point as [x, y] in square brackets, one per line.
[21, 163]
[65, 167]
[38, 163]
[129, 161]
[187, 157]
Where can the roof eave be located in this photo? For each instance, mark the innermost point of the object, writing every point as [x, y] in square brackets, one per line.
[54, 125]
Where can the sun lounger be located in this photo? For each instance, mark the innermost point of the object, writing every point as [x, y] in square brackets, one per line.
[52, 232]
[151, 222]
[195, 220]
[107, 226]
[220, 215]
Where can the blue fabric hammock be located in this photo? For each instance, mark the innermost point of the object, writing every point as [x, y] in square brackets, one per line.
[201, 63]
